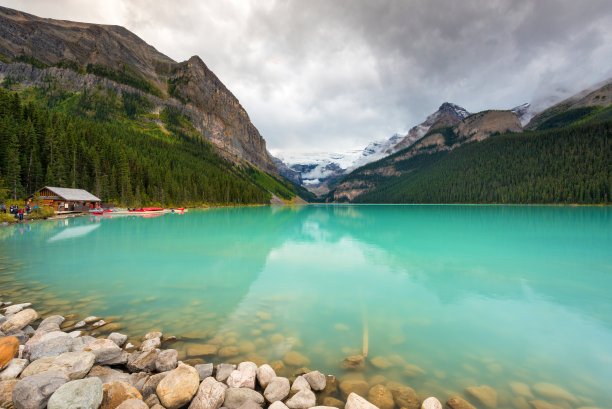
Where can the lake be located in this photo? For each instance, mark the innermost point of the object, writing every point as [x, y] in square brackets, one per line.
[440, 297]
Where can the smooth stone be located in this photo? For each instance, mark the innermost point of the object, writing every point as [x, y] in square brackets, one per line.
[150, 344]
[355, 401]
[333, 402]
[228, 352]
[483, 394]
[15, 308]
[277, 389]
[458, 403]
[9, 346]
[19, 320]
[323, 407]
[316, 380]
[404, 396]
[13, 369]
[107, 375]
[380, 362]
[249, 405]
[204, 370]
[360, 387]
[166, 360]
[353, 363]
[49, 324]
[278, 405]
[178, 386]
[107, 352]
[540, 404]
[152, 400]
[150, 385]
[304, 399]
[265, 374]
[294, 358]
[244, 376]
[82, 394]
[142, 361]
[210, 395]
[299, 384]
[6, 392]
[133, 404]
[431, 403]
[117, 338]
[115, 393]
[224, 371]
[35, 391]
[80, 324]
[235, 397]
[551, 391]
[74, 364]
[51, 344]
[202, 350]
[381, 397]
[80, 343]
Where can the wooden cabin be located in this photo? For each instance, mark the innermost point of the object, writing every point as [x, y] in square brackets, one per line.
[66, 200]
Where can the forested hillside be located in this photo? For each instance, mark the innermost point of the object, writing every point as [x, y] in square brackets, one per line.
[112, 146]
[572, 164]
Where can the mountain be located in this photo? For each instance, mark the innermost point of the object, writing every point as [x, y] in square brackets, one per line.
[524, 112]
[52, 47]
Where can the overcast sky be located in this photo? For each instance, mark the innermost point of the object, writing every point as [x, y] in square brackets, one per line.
[333, 75]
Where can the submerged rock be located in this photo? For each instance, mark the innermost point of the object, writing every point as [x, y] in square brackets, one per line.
[540, 404]
[551, 391]
[458, 403]
[521, 389]
[483, 394]
[381, 397]
[333, 402]
[294, 358]
[404, 396]
[380, 362]
[353, 363]
[357, 386]
[82, 393]
[178, 387]
[210, 395]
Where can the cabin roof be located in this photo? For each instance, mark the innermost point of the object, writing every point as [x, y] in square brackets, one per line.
[76, 195]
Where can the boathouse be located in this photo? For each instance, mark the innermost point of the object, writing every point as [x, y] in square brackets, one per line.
[66, 200]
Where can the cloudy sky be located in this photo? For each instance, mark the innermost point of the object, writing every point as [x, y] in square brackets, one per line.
[333, 75]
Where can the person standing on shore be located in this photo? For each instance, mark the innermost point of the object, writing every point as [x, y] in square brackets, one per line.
[20, 215]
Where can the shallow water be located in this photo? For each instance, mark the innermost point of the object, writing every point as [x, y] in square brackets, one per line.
[450, 296]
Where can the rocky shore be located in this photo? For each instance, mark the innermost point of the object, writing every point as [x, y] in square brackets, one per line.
[44, 363]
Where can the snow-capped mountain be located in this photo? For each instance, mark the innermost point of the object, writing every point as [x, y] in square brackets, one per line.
[376, 150]
[524, 112]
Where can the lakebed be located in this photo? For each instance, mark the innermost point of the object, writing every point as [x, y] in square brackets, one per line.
[450, 297]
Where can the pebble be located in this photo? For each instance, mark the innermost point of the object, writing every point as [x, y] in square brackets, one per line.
[82, 394]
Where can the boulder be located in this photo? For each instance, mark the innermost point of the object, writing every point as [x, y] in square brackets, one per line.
[82, 393]
[244, 376]
[80, 343]
[277, 389]
[13, 369]
[278, 405]
[150, 344]
[294, 358]
[150, 385]
[265, 374]
[35, 391]
[333, 402]
[107, 352]
[224, 371]
[51, 344]
[142, 361]
[431, 403]
[554, 392]
[204, 370]
[521, 389]
[404, 396]
[15, 308]
[316, 380]
[115, 393]
[133, 404]
[483, 394]
[108, 375]
[357, 386]
[117, 338]
[210, 395]
[235, 397]
[138, 380]
[458, 403]
[355, 401]
[19, 320]
[8, 349]
[178, 387]
[304, 399]
[299, 384]
[381, 397]
[6, 392]
[74, 364]
[353, 363]
[166, 360]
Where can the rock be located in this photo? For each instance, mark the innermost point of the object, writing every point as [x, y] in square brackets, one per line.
[166, 360]
[153, 334]
[20, 335]
[540, 404]
[413, 371]
[355, 401]
[210, 395]
[150, 344]
[333, 402]
[381, 397]
[331, 385]
[551, 391]
[357, 386]
[249, 405]
[304, 399]
[244, 376]
[521, 389]
[323, 407]
[293, 358]
[277, 389]
[133, 404]
[80, 324]
[299, 384]
[228, 352]
[316, 380]
[76, 365]
[8, 349]
[353, 363]
[204, 370]
[404, 396]
[431, 403]
[35, 391]
[107, 375]
[15, 308]
[202, 350]
[6, 392]
[82, 394]
[278, 405]
[150, 385]
[98, 324]
[19, 320]
[80, 343]
[235, 397]
[224, 371]
[38, 366]
[142, 361]
[138, 380]
[152, 400]
[115, 393]
[13, 369]
[107, 352]
[51, 344]
[178, 387]
[265, 374]
[75, 334]
[50, 324]
[380, 362]
[483, 394]
[458, 403]
[117, 338]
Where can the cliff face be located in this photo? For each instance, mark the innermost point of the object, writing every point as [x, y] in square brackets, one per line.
[119, 55]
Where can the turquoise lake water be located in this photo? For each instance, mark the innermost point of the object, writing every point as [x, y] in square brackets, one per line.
[451, 296]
